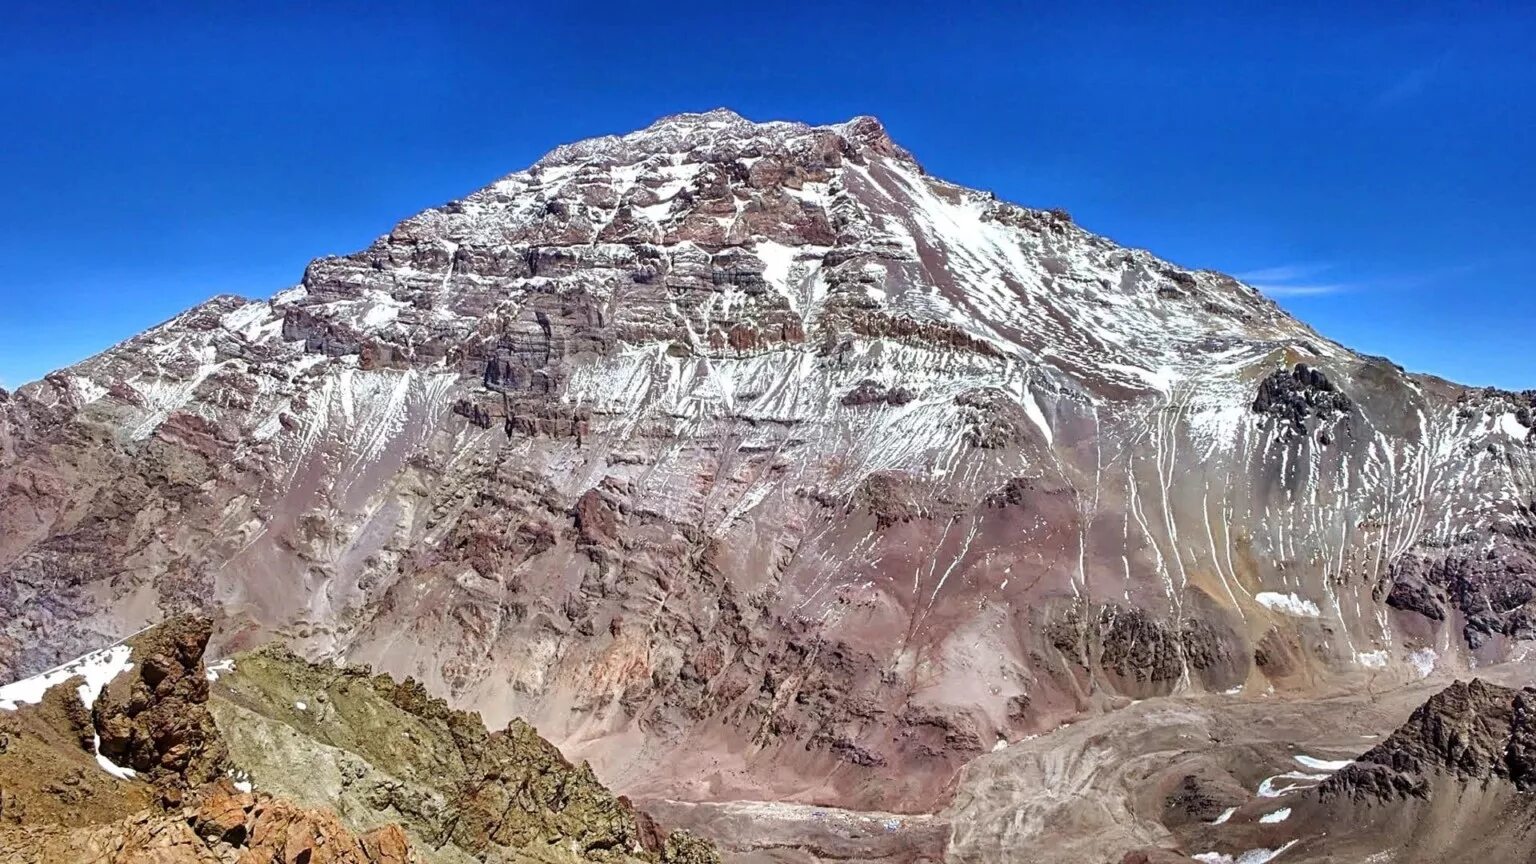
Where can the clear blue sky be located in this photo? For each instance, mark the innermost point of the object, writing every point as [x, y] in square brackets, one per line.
[1375, 169]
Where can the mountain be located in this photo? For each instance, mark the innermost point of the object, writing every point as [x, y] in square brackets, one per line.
[752, 463]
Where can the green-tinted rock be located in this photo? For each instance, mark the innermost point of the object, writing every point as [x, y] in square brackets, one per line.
[381, 751]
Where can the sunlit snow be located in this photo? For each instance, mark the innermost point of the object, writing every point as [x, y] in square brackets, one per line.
[98, 668]
[1290, 604]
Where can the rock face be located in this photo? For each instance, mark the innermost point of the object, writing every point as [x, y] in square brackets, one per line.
[1473, 731]
[222, 825]
[156, 720]
[1486, 580]
[382, 751]
[750, 461]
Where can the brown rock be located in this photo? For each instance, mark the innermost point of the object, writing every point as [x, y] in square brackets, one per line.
[594, 518]
[155, 720]
[64, 700]
[386, 845]
[221, 826]
[1471, 730]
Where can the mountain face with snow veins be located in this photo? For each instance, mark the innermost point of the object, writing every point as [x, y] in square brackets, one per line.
[753, 464]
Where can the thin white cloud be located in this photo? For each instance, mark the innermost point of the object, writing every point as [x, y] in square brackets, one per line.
[1303, 290]
[1302, 280]
[1284, 273]
[1411, 84]
[1294, 280]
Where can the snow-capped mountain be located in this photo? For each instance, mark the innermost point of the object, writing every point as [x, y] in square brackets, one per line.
[751, 461]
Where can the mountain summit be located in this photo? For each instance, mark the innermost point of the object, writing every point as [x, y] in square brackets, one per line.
[749, 461]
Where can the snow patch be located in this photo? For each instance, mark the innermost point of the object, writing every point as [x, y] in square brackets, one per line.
[1373, 659]
[1290, 781]
[1161, 379]
[1510, 426]
[213, 671]
[1280, 815]
[1252, 856]
[1329, 765]
[1423, 661]
[241, 779]
[108, 765]
[98, 668]
[1289, 604]
[248, 320]
[1037, 416]
[300, 706]
[777, 260]
[1225, 815]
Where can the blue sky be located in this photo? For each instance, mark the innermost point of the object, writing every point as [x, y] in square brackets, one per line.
[1372, 165]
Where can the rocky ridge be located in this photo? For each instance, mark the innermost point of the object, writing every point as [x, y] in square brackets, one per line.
[145, 703]
[187, 798]
[1474, 731]
[383, 751]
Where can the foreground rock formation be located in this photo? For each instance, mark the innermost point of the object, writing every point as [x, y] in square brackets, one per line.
[220, 825]
[754, 464]
[68, 795]
[207, 757]
[381, 751]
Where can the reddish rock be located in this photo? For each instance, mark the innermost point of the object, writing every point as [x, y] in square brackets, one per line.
[154, 719]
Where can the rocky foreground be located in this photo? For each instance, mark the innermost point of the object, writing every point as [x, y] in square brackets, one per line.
[141, 752]
[160, 758]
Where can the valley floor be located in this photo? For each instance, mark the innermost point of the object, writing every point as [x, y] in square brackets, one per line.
[1096, 789]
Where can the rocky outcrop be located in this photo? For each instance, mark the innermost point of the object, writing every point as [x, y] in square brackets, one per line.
[218, 825]
[1472, 731]
[1140, 650]
[873, 393]
[155, 718]
[1488, 577]
[1200, 798]
[1299, 395]
[369, 746]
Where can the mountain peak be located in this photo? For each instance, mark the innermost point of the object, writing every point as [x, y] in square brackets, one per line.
[723, 133]
[720, 116]
[725, 118]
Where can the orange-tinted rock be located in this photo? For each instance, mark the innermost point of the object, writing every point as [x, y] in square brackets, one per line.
[219, 827]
